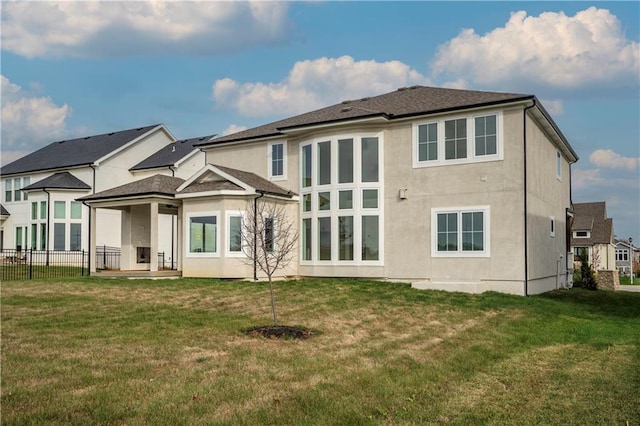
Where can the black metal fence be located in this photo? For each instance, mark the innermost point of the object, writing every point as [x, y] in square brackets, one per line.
[33, 264]
[108, 259]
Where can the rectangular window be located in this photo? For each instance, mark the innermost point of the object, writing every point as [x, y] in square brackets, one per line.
[455, 139]
[43, 209]
[277, 163]
[558, 165]
[370, 238]
[552, 231]
[324, 163]
[582, 234]
[428, 142]
[345, 237]
[324, 238]
[306, 166]
[17, 194]
[203, 234]
[306, 202]
[59, 209]
[25, 182]
[34, 211]
[460, 232]
[19, 243]
[269, 234]
[59, 236]
[370, 160]
[75, 237]
[43, 236]
[235, 234]
[486, 135]
[345, 161]
[76, 210]
[8, 192]
[34, 236]
[306, 239]
[324, 200]
[345, 200]
[622, 255]
[369, 198]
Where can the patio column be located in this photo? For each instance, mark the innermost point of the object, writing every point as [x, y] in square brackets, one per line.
[179, 238]
[153, 230]
[92, 240]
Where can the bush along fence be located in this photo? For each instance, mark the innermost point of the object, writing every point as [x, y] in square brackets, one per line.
[34, 264]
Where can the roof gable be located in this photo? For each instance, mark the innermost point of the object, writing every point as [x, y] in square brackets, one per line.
[76, 152]
[592, 217]
[154, 185]
[170, 155]
[61, 180]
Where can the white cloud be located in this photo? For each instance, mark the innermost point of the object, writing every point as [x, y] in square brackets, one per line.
[29, 120]
[314, 84]
[551, 49]
[233, 129]
[553, 106]
[94, 29]
[608, 159]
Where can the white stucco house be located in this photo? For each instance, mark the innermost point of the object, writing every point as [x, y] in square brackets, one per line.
[40, 209]
[448, 189]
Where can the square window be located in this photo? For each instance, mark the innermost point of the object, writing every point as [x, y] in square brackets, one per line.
[460, 233]
[345, 200]
[369, 198]
[324, 201]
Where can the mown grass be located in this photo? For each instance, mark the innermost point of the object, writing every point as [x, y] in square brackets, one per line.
[627, 280]
[99, 351]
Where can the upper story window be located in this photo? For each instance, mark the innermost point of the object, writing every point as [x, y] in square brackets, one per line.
[59, 209]
[76, 210]
[13, 189]
[552, 230]
[581, 234]
[622, 255]
[277, 160]
[8, 192]
[558, 164]
[458, 140]
[17, 189]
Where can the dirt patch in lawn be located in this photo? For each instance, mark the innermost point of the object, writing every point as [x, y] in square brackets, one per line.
[279, 332]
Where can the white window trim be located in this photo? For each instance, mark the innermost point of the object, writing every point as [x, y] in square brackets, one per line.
[552, 231]
[471, 149]
[227, 248]
[486, 210]
[357, 211]
[187, 233]
[270, 162]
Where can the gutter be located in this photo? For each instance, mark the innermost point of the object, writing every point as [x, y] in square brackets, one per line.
[526, 239]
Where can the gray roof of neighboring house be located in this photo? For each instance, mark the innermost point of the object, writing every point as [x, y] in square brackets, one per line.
[61, 180]
[74, 152]
[592, 217]
[402, 103]
[171, 154]
[153, 185]
[4, 211]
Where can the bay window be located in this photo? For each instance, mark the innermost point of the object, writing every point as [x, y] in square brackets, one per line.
[203, 234]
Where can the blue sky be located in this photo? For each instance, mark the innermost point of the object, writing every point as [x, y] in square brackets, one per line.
[71, 69]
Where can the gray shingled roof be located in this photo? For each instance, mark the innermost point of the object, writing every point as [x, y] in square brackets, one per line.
[171, 154]
[592, 217]
[221, 185]
[153, 185]
[4, 211]
[259, 183]
[74, 152]
[61, 180]
[402, 103]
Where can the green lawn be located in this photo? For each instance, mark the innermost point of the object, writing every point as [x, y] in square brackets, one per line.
[99, 351]
[627, 281]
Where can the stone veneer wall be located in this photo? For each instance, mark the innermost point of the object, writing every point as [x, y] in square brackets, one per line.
[608, 280]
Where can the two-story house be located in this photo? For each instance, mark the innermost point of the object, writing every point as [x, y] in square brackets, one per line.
[592, 233]
[627, 257]
[448, 189]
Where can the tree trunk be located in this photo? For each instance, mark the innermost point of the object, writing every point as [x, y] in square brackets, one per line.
[273, 303]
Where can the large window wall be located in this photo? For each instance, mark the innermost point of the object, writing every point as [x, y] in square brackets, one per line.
[341, 209]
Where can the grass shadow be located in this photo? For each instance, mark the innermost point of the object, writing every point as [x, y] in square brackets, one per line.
[601, 302]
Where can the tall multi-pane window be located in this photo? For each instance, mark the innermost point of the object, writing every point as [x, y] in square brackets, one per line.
[203, 234]
[277, 160]
[340, 206]
[76, 210]
[472, 231]
[455, 139]
[428, 142]
[269, 234]
[26, 181]
[558, 165]
[34, 211]
[448, 232]
[34, 236]
[486, 135]
[43, 236]
[8, 192]
[235, 234]
[19, 241]
[43, 209]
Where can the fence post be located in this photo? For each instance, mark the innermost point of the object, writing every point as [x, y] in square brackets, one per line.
[82, 264]
[31, 263]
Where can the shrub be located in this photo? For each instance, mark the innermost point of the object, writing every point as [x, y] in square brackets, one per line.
[585, 276]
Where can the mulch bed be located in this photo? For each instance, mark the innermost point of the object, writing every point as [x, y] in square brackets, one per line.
[279, 332]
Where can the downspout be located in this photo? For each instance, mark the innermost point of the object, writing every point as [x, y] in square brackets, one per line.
[526, 239]
[255, 234]
[93, 186]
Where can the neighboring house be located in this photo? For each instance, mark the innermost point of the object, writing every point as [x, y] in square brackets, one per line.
[626, 254]
[40, 189]
[448, 189]
[592, 233]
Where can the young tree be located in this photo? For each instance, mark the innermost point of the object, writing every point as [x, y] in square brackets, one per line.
[269, 240]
